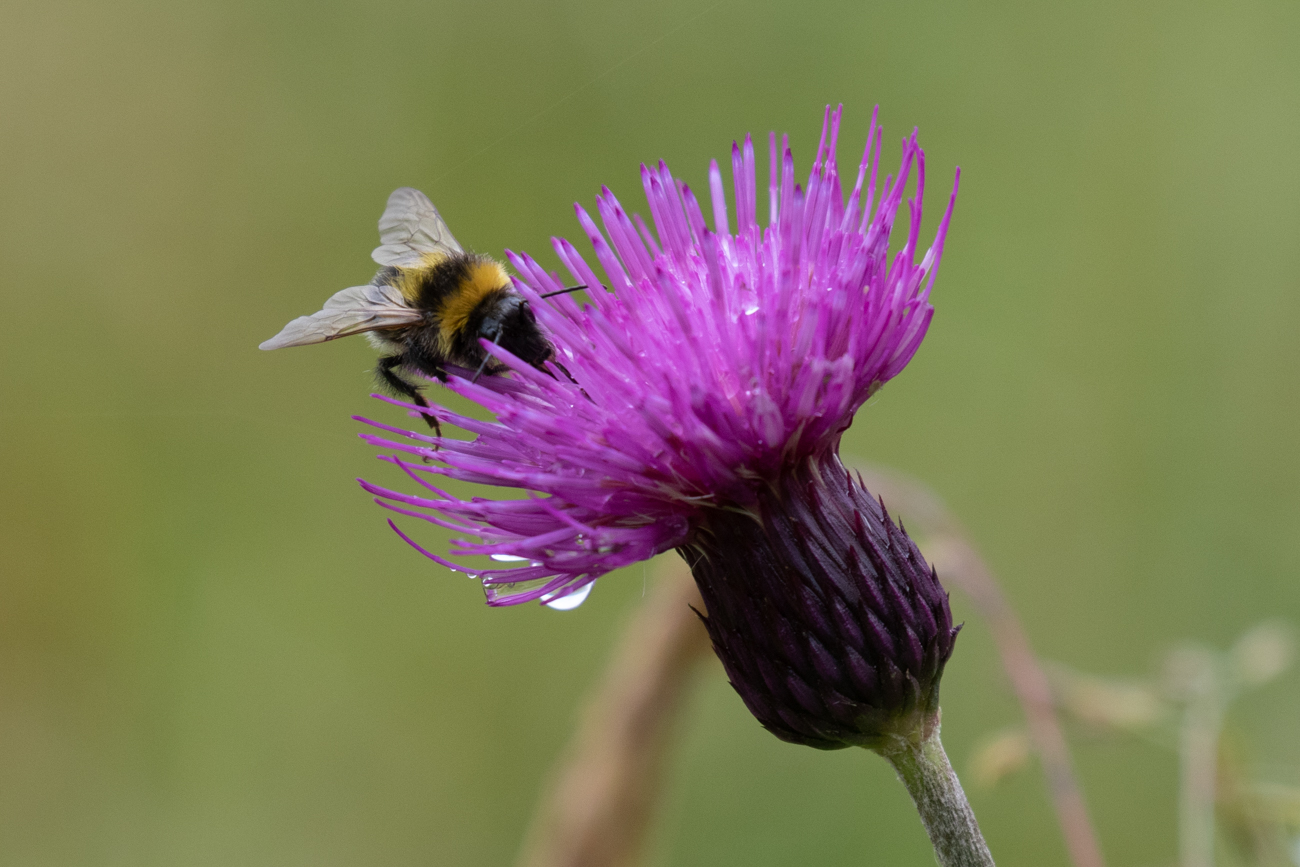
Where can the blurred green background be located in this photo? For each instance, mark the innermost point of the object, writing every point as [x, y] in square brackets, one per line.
[212, 649]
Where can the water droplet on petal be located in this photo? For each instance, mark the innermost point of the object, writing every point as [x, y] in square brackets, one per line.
[572, 600]
[507, 558]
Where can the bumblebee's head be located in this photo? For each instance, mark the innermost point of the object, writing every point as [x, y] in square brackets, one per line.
[511, 324]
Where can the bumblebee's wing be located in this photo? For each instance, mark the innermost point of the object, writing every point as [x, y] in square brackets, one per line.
[410, 227]
[352, 311]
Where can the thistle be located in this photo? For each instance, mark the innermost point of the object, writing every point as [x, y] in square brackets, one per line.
[697, 403]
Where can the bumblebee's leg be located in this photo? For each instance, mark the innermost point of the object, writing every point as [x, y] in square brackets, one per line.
[562, 369]
[390, 378]
[570, 378]
[486, 358]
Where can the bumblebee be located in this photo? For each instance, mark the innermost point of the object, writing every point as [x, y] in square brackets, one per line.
[429, 306]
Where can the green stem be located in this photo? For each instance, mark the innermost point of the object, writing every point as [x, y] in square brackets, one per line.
[924, 768]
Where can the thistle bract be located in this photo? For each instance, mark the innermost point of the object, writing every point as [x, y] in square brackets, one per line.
[829, 623]
[699, 394]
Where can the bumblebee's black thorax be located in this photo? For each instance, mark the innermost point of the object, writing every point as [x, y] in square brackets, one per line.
[452, 276]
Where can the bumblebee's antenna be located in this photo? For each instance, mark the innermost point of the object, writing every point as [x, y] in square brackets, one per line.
[564, 291]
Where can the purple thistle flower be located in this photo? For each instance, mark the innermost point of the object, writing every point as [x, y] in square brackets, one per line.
[699, 407]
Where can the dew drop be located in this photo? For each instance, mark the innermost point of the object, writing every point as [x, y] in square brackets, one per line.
[507, 558]
[572, 600]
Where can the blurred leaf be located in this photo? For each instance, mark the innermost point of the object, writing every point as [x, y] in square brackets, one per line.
[1109, 703]
[1277, 803]
[998, 756]
[1264, 652]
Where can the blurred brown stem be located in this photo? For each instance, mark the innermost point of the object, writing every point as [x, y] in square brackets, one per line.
[596, 810]
[960, 564]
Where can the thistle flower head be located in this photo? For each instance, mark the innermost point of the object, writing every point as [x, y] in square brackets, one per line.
[697, 403]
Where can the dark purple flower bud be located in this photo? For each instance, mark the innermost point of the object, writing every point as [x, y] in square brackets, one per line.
[827, 620]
